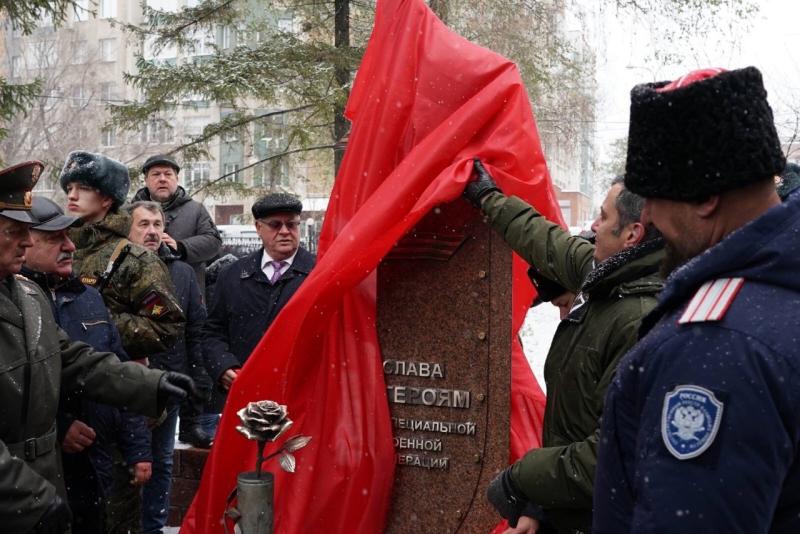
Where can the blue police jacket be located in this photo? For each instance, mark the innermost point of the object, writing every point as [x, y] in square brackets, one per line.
[701, 427]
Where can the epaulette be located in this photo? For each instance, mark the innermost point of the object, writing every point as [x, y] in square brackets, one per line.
[712, 300]
[28, 290]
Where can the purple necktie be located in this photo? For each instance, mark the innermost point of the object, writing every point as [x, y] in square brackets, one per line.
[277, 265]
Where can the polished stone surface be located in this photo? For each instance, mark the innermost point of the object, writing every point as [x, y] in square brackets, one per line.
[444, 324]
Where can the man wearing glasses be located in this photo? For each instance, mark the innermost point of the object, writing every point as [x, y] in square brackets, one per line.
[252, 291]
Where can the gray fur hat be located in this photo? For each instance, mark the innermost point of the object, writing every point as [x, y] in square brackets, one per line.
[107, 175]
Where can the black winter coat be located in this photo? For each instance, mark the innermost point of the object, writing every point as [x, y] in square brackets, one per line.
[189, 223]
[244, 306]
[186, 353]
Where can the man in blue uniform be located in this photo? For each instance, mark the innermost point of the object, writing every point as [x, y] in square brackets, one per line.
[700, 430]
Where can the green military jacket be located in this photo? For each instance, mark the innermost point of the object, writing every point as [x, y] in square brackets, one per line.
[36, 361]
[139, 294]
[584, 353]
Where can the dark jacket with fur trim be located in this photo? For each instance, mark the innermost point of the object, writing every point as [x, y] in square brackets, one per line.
[188, 223]
[584, 353]
[139, 294]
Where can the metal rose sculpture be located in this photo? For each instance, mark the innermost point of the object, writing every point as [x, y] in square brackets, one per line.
[264, 421]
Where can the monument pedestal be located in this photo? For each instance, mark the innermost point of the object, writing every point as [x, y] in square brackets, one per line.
[444, 325]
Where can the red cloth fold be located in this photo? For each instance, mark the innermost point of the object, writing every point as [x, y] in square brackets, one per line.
[424, 103]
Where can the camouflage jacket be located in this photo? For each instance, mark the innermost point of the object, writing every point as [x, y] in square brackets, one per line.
[139, 293]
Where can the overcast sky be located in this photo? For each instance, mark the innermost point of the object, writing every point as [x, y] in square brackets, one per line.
[771, 42]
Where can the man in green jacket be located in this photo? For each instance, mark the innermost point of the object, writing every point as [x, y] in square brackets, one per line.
[134, 283]
[616, 281]
[36, 361]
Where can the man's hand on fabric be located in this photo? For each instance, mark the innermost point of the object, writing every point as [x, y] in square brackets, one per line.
[228, 377]
[141, 472]
[525, 525]
[506, 498]
[79, 436]
[175, 386]
[481, 184]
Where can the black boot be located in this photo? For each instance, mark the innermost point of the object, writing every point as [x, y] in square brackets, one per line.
[194, 435]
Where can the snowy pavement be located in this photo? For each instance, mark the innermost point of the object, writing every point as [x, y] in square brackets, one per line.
[537, 333]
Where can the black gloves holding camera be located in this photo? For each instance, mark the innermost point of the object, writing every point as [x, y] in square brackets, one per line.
[481, 185]
[509, 501]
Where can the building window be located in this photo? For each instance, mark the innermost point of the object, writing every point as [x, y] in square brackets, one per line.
[78, 98]
[156, 133]
[204, 42]
[108, 9]
[227, 37]
[81, 10]
[232, 169]
[16, 66]
[108, 49]
[107, 137]
[108, 92]
[195, 125]
[80, 53]
[197, 174]
[286, 24]
[271, 173]
[44, 54]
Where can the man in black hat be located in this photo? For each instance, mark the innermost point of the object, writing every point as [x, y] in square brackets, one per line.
[251, 292]
[190, 231]
[37, 360]
[700, 431]
[87, 431]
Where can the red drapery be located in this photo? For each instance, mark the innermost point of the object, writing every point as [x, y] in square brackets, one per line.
[425, 101]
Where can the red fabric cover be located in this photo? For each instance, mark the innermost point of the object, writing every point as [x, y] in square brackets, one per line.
[690, 78]
[425, 101]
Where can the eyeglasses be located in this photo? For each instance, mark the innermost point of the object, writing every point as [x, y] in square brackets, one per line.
[276, 225]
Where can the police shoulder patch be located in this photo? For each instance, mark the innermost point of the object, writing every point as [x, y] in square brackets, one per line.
[712, 300]
[690, 420]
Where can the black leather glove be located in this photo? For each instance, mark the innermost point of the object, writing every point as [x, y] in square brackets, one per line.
[56, 519]
[481, 185]
[174, 387]
[506, 498]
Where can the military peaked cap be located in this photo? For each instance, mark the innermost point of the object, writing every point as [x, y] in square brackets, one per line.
[16, 183]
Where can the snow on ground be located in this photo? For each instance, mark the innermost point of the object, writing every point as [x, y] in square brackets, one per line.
[537, 333]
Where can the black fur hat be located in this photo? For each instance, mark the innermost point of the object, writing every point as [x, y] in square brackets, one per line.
[107, 175]
[276, 203]
[691, 139]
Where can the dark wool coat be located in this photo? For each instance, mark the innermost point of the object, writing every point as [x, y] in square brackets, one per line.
[244, 306]
[731, 372]
[188, 223]
[584, 353]
[37, 359]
